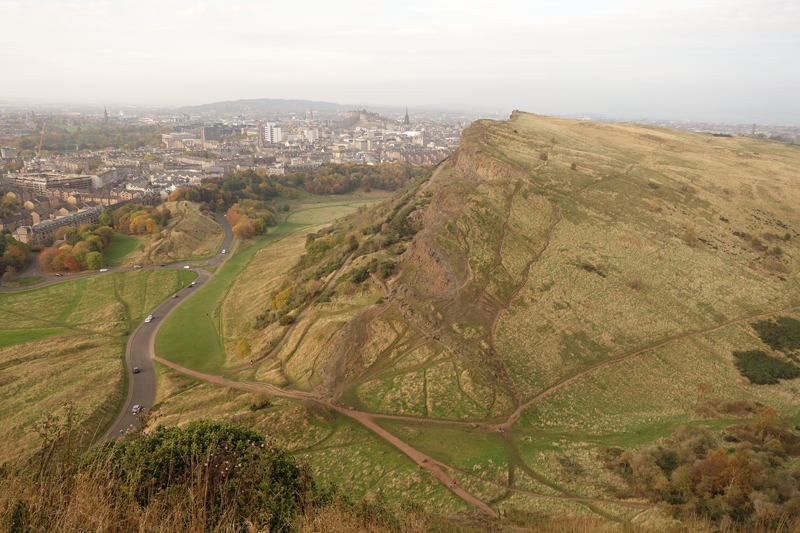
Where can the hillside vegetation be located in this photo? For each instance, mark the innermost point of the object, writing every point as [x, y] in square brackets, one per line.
[189, 234]
[572, 287]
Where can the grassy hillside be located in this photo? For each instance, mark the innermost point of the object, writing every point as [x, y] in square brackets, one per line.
[66, 343]
[572, 287]
[188, 235]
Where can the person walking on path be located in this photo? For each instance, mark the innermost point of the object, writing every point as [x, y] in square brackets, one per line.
[251, 362]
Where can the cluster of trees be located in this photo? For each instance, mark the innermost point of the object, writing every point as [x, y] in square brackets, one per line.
[220, 194]
[342, 178]
[137, 219]
[82, 250]
[250, 218]
[743, 480]
[58, 139]
[13, 257]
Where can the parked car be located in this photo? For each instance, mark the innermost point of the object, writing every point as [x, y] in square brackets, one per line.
[163, 265]
[137, 266]
[136, 370]
[103, 270]
[58, 275]
[149, 318]
[187, 266]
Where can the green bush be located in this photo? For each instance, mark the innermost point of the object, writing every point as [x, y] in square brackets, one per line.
[783, 334]
[359, 274]
[231, 460]
[762, 369]
[387, 269]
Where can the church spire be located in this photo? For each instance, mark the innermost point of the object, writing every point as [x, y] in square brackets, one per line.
[105, 112]
[405, 120]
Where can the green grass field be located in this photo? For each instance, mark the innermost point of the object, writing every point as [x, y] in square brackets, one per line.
[66, 341]
[121, 247]
[10, 338]
[23, 282]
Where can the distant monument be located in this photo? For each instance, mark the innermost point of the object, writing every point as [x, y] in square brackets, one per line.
[405, 120]
[105, 114]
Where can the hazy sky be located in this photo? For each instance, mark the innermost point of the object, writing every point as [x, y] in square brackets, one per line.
[725, 60]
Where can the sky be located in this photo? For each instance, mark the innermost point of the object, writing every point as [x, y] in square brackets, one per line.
[719, 60]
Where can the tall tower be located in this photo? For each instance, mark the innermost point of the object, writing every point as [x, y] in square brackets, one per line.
[754, 128]
[405, 120]
[105, 113]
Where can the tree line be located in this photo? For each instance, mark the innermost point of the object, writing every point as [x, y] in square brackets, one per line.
[219, 194]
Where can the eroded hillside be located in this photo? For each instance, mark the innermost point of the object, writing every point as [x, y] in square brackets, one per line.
[550, 301]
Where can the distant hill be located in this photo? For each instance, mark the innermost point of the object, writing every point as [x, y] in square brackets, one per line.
[267, 105]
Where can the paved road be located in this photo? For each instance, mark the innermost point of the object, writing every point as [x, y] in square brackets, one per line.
[142, 386]
[36, 270]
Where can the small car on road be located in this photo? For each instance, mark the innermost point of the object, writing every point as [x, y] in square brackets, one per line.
[137, 266]
[136, 370]
[137, 409]
[174, 295]
[187, 266]
[103, 270]
[193, 284]
[223, 251]
[58, 275]
[149, 318]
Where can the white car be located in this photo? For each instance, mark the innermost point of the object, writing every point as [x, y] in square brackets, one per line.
[149, 318]
[187, 266]
[223, 251]
[103, 270]
[194, 283]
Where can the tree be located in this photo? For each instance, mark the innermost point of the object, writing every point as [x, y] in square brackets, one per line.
[10, 274]
[244, 230]
[654, 205]
[94, 260]
[259, 226]
[688, 235]
[243, 349]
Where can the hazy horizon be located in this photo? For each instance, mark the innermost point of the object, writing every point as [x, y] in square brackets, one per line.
[713, 60]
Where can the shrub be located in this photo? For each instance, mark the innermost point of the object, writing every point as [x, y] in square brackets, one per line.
[387, 269]
[783, 334]
[573, 166]
[543, 156]
[787, 236]
[636, 283]
[285, 207]
[653, 185]
[688, 235]
[359, 274]
[285, 320]
[261, 400]
[231, 460]
[762, 369]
